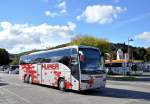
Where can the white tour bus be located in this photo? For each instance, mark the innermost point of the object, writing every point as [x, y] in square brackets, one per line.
[123, 67]
[73, 67]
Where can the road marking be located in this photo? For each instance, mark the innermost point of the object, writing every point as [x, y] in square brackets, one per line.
[25, 100]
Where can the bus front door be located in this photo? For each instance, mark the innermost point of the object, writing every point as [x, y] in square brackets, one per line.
[39, 73]
[75, 76]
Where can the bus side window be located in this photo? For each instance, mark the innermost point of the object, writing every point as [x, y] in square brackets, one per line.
[22, 60]
[43, 58]
[62, 56]
[25, 60]
[73, 51]
[32, 59]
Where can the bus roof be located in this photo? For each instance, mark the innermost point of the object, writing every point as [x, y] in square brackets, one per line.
[73, 46]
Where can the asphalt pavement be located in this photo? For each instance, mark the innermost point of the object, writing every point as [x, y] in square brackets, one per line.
[14, 91]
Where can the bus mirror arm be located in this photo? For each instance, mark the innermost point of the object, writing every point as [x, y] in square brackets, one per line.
[73, 71]
[73, 62]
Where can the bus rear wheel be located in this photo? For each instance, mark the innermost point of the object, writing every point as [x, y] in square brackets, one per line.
[30, 80]
[61, 85]
[25, 79]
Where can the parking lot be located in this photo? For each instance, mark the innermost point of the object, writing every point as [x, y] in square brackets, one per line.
[14, 91]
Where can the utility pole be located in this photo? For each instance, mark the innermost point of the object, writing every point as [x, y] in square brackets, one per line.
[129, 39]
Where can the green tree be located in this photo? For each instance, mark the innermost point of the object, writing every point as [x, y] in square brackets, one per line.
[15, 60]
[102, 44]
[147, 56]
[4, 57]
[148, 49]
[141, 52]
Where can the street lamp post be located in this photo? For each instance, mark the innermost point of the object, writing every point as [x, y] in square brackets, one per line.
[129, 39]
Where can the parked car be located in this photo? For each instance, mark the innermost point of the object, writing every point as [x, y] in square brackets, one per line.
[5, 67]
[14, 69]
[1, 68]
[7, 70]
[147, 66]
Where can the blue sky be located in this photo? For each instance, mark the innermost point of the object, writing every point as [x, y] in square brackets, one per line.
[33, 24]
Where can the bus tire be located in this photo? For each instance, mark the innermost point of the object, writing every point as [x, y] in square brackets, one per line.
[25, 79]
[61, 84]
[30, 80]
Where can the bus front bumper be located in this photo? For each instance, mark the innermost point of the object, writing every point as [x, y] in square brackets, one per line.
[94, 82]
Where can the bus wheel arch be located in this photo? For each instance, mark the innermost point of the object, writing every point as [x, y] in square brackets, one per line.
[25, 78]
[61, 84]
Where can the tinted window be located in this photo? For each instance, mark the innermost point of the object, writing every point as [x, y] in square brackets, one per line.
[23, 60]
[73, 51]
[62, 56]
[92, 59]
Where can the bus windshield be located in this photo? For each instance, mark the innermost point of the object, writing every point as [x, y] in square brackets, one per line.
[93, 61]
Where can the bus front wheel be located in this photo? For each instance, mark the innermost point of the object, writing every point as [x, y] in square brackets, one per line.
[61, 84]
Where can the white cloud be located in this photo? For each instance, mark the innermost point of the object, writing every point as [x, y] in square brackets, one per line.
[144, 36]
[62, 7]
[6, 25]
[23, 37]
[100, 13]
[62, 10]
[51, 14]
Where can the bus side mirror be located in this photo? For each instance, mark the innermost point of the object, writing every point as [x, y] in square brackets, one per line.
[81, 56]
[73, 59]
